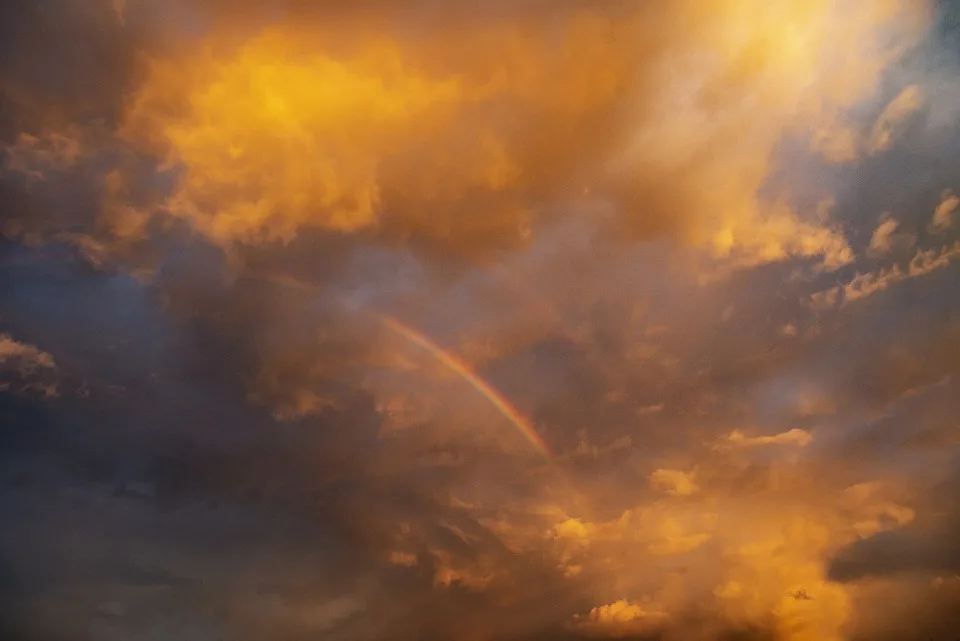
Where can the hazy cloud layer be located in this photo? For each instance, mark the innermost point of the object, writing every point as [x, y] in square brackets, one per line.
[530, 320]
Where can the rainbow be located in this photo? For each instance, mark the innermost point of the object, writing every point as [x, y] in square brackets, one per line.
[457, 366]
[454, 364]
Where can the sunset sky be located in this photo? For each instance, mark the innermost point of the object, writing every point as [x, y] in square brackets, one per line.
[515, 320]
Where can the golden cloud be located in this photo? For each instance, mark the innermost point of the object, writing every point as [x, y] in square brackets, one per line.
[861, 286]
[766, 562]
[795, 437]
[375, 133]
[470, 139]
[943, 215]
[467, 137]
[881, 241]
[675, 482]
[621, 618]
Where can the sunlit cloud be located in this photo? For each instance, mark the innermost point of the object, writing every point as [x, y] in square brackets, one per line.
[881, 242]
[794, 437]
[487, 322]
[621, 619]
[675, 482]
[26, 369]
[943, 215]
[893, 117]
[867, 284]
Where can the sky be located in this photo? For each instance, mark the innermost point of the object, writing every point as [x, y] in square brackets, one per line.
[508, 321]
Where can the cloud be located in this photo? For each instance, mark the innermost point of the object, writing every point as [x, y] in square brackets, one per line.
[893, 117]
[943, 214]
[541, 121]
[25, 368]
[675, 482]
[862, 285]
[28, 356]
[881, 242]
[796, 437]
[637, 229]
[621, 619]
[34, 155]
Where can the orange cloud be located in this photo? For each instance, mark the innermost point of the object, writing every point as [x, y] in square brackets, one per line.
[675, 482]
[25, 368]
[372, 134]
[798, 438]
[467, 137]
[863, 285]
[881, 241]
[943, 215]
[664, 121]
[621, 618]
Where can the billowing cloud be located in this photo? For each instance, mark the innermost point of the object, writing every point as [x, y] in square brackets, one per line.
[622, 619]
[360, 127]
[513, 321]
